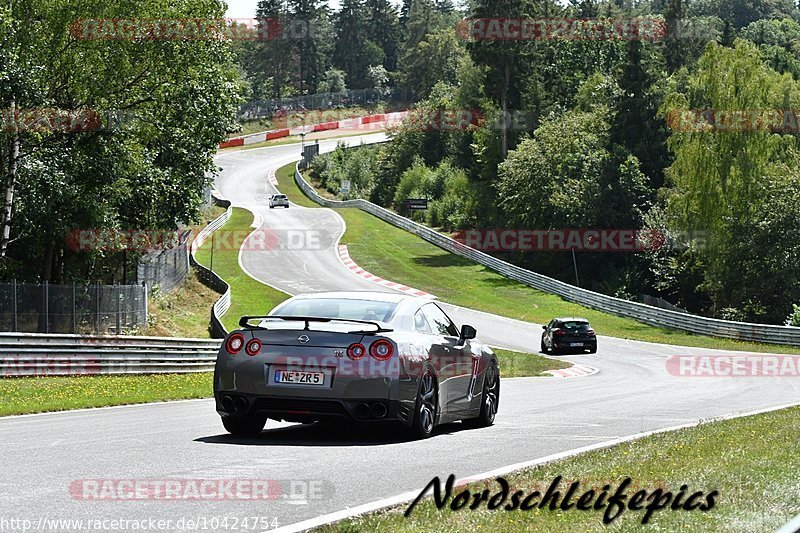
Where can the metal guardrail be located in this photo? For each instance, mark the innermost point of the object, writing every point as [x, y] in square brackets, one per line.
[35, 354]
[654, 316]
[210, 278]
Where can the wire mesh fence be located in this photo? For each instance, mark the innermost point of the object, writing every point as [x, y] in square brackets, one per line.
[167, 268]
[81, 309]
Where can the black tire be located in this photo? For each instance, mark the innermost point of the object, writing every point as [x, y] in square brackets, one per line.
[272, 206]
[245, 426]
[425, 407]
[593, 349]
[544, 346]
[490, 399]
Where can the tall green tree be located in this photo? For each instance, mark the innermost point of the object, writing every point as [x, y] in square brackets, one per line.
[174, 100]
[353, 52]
[726, 172]
[384, 29]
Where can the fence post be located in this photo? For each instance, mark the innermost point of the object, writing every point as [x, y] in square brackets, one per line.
[119, 309]
[14, 324]
[97, 309]
[46, 307]
[144, 292]
[74, 311]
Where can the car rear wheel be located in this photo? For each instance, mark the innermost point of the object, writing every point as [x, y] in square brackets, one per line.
[593, 349]
[490, 400]
[244, 425]
[544, 346]
[425, 410]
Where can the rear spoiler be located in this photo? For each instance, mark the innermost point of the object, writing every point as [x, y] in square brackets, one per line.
[244, 322]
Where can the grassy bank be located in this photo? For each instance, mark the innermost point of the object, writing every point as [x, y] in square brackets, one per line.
[248, 296]
[183, 312]
[398, 255]
[57, 393]
[752, 462]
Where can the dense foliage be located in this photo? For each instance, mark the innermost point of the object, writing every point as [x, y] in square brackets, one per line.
[594, 139]
[163, 105]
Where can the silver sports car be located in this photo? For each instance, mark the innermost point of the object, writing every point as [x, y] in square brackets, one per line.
[362, 356]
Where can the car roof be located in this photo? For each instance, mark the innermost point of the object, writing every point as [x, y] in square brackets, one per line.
[389, 297]
[572, 319]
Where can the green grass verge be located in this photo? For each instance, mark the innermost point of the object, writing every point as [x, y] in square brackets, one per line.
[752, 462]
[248, 296]
[520, 365]
[398, 255]
[56, 393]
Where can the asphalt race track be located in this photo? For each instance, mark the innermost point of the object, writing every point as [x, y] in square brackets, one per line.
[632, 393]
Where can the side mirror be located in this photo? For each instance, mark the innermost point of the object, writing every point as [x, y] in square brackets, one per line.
[467, 333]
[544, 327]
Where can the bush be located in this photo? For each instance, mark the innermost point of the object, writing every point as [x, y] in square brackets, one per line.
[794, 318]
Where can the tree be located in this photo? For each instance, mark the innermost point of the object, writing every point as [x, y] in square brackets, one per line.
[353, 51]
[435, 59]
[269, 61]
[504, 60]
[333, 82]
[552, 179]
[384, 30]
[175, 99]
[728, 176]
[312, 46]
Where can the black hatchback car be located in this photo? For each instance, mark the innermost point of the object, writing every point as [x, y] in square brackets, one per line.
[563, 335]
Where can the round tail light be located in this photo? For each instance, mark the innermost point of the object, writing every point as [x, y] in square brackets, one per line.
[356, 351]
[235, 343]
[253, 347]
[381, 350]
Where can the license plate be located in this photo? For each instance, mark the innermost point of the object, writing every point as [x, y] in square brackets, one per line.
[576, 344]
[299, 378]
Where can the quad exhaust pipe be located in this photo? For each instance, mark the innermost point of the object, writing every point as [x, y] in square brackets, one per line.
[374, 410]
[234, 404]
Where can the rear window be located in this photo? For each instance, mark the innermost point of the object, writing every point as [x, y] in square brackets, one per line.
[575, 324]
[339, 308]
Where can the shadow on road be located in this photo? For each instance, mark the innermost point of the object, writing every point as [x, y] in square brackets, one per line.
[333, 434]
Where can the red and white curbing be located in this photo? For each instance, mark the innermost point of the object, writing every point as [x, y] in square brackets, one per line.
[273, 179]
[262, 136]
[347, 261]
[574, 371]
